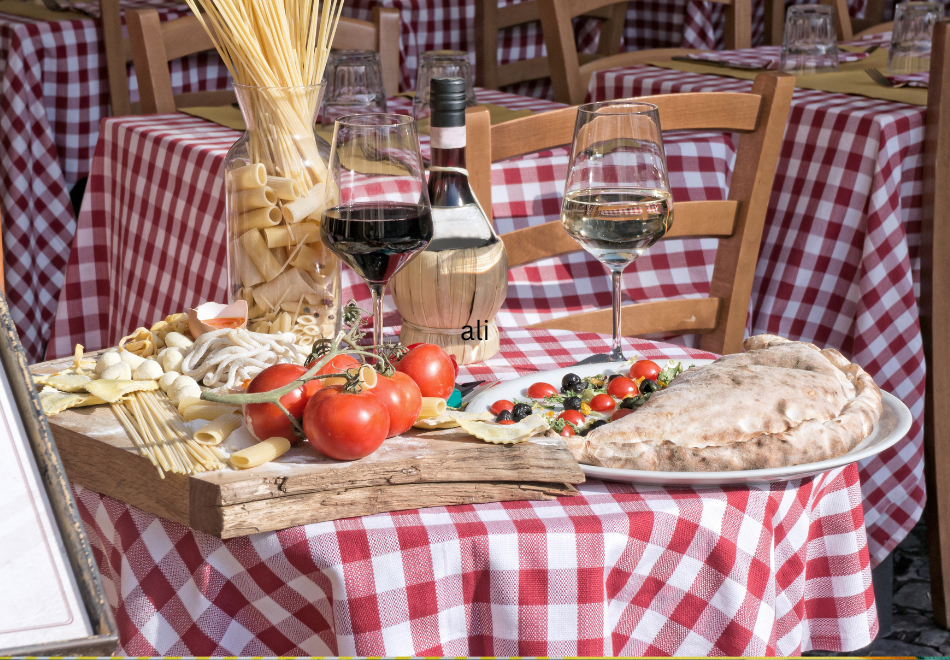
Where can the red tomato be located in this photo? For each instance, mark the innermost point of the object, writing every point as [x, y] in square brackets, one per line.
[431, 368]
[622, 387]
[506, 422]
[402, 399]
[573, 416]
[602, 403]
[345, 426]
[501, 404]
[265, 420]
[623, 412]
[541, 390]
[645, 369]
[567, 430]
[337, 365]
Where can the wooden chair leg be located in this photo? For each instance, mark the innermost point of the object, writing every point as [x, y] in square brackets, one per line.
[774, 19]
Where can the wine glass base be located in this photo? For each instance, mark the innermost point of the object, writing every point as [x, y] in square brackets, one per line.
[616, 355]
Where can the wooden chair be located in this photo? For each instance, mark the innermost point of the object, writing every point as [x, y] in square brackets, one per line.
[490, 19]
[935, 320]
[760, 116]
[154, 43]
[842, 19]
[570, 77]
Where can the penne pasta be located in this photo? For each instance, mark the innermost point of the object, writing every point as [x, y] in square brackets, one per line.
[208, 410]
[284, 235]
[432, 406]
[254, 198]
[249, 176]
[260, 453]
[261, 218]
[305, 206]
[262, 258]
[305, 258]
[287, 190]
[214, 432]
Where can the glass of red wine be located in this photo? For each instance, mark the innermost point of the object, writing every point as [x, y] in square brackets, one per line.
[377, 214]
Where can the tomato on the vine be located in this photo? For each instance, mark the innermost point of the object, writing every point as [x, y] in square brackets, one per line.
[403, 401]
[266, 420]
[338, 365]
[602, 403]
[573, 416]
[622, 387]
[431, 368]
[501, 404]
[541, 390]
[344, 425]
[622, 412]
[645, 369]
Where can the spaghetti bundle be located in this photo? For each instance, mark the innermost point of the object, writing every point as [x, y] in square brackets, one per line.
[276, 44]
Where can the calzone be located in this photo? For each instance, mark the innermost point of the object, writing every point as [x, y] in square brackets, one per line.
[780, 403]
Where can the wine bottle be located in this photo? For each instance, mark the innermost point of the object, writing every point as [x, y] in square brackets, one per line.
[458, 219]
[450, 293]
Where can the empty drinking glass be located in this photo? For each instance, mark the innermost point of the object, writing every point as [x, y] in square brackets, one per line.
[441, 64]
[354, 85]
[911, 36]
[810, 44]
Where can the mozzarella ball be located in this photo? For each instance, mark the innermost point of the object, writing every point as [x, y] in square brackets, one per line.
[118, 371]
[167, 379]
[106, 360]
[148, 370]
[131, 359]
[172, 358]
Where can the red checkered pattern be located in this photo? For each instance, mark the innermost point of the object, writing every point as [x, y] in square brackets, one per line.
[54, 92]
[766, 57]
[840, 256]
[617, 570]
[920, 79]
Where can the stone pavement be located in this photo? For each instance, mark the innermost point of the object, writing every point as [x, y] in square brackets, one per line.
[914, 631]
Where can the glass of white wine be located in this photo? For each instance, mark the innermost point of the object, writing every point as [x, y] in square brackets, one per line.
[617, 200]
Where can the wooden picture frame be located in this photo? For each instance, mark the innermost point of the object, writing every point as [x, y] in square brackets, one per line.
[76, 553]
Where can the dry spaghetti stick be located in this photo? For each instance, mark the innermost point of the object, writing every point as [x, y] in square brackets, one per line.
[149, 441]
[144, 451]
[166, 447]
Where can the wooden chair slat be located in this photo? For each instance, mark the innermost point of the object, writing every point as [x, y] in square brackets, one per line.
[935, 320]
[529, 134]
[151, 61]
[518, 14]
[712, 111]
[211, 99]
[522, 70]
[538, 242]
[681, 316]
[716, 219]
[842, 18]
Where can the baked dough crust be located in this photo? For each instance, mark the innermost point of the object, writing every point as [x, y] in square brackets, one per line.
[780, 403]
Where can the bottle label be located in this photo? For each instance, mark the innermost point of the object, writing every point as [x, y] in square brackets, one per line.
[447, 137]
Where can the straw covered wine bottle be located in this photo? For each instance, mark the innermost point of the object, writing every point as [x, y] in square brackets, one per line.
[449, 294]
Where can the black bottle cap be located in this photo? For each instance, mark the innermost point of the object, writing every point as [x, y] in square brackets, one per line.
[447, 102]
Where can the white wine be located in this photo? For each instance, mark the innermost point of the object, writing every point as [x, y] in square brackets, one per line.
[617, 225]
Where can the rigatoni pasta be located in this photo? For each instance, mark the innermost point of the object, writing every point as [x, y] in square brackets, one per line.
[214, 432]
[432, 406]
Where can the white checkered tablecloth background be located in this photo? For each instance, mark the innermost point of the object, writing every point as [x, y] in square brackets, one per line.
[616, 570]
[839, 264]
[53, 92]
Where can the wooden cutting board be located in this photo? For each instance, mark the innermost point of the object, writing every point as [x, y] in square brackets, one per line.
[418, 469]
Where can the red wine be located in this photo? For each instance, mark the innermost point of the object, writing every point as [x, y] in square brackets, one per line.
[376, 239]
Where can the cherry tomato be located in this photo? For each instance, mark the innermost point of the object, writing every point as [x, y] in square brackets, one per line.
[337, 365]
[345, 426]
[402, 399]
[431, 368]
[501, 404]
[602, 403]
[567, 430]
[265, 420]
[541, 390]
[572, 416]
[622, 412]
[622, 387]
[506, 422]
[645, 369]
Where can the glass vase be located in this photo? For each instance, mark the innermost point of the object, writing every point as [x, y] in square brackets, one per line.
[275, 176]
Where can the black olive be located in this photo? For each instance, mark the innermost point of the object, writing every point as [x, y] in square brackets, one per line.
[520, 411]
[503, 415]
[630, 402]
[648, 386]
[598, 423]
[572, 403]
[569, 380]
[612, 376]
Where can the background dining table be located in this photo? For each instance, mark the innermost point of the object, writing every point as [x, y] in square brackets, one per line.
[619, 569]
[53, 93]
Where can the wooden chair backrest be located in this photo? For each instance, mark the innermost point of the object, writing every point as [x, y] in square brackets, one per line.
[842, 19]
[935, 319]
[570, 72]
[155, 43]
[490, 19]
[760, 116]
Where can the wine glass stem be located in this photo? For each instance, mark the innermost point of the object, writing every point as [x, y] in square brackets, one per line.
[616, 351]
[376, 289]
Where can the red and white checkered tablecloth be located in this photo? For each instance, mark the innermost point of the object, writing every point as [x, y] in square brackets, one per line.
[839, 264]
[53, 92]
[616, 570]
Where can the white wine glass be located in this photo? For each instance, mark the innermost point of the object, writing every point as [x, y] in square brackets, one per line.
[617, 200]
